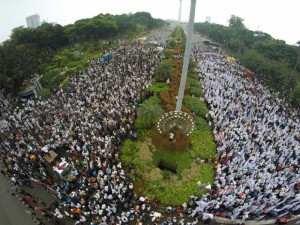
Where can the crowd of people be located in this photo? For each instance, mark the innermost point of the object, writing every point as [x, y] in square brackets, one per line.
[258, 143]
[85, 122]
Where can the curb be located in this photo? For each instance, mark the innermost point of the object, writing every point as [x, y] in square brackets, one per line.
[247, 222]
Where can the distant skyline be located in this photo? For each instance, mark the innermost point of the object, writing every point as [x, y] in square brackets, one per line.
[278, 18]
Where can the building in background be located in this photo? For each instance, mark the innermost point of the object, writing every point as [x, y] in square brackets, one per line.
[33, 21]
[207, 19]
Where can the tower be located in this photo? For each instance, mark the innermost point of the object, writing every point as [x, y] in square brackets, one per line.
[33, 21]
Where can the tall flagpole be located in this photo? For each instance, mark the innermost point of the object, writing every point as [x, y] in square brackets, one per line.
[186, 59]
[179, 15]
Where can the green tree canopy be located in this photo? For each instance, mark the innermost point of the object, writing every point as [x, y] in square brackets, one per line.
[163, 71]
[150, 111]
[30, 51]
[236, 22]
[273, 61]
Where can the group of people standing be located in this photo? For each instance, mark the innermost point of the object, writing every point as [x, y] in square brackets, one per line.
[84, 123]
[258, 143]
[257, 136]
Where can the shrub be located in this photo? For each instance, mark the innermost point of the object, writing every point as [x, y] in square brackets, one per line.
[196, 107]
[158, 87]
[168, 53]
[174, 192]
[202, 144]
[202, 124]
[168, 99]
[193, 75]
[207, 173]
[166, 174]
[163, 71]
[171, 43]
[75, 55]
[193, 82]
[140, 124]
[196, 88]
[65, 82]
[192, 69]
[196, 91]
[129, 151]
[45, 93]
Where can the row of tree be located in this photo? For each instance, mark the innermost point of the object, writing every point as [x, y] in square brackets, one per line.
[30, 51]
[273, 61]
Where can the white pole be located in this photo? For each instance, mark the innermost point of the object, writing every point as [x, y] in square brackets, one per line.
[186, 59]
[179, 15]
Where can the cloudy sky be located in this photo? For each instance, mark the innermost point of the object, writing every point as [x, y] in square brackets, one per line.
[278, 18]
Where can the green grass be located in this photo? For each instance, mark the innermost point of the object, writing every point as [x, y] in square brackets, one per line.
[174, 193]
[182, 158]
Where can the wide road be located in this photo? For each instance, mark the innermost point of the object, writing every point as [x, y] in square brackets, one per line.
[12, 212]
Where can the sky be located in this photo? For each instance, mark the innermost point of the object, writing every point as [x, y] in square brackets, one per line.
[278, 18]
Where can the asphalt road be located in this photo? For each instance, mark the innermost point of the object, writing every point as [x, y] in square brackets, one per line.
[12, 212]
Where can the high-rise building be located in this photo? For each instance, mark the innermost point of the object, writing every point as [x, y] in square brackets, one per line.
[207, 19]
[33, 21]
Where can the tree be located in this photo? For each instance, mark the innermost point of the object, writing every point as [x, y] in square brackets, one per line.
[22, 35]
[296, 95]
[30, 51]
[236, 22]
[273, 61]
[298, 56]
[149, 112]
[163, 71]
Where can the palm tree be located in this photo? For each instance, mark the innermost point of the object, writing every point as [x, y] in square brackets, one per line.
[150, 111]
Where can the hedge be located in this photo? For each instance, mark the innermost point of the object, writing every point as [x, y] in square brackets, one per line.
[197, 107]
[158, 87]
[193, 82]
[201, 124]
[202, 144]
[197, 92]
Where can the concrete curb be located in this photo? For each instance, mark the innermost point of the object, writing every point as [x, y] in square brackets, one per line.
[247, 222]
[223, 220]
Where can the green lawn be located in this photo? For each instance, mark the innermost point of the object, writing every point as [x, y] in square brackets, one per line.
[183, 159]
